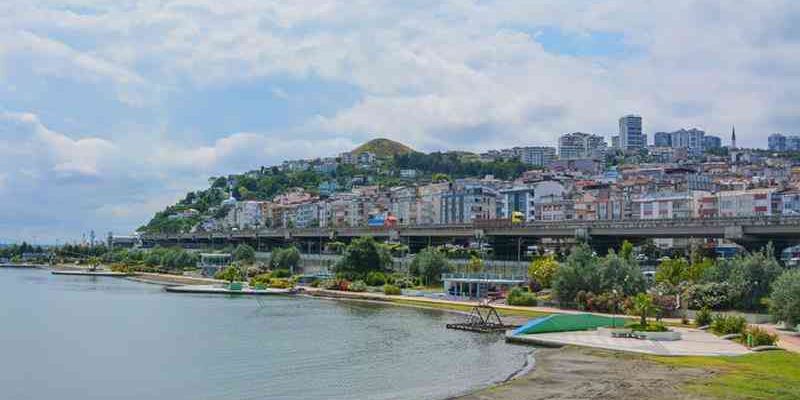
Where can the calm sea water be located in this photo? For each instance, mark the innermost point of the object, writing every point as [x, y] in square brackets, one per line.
[65, 337]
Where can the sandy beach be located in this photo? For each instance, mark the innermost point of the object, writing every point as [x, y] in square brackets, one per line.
[578, 373]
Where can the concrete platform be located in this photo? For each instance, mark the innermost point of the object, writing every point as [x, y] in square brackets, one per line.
[693, 343]
[91, 273]
[217, 289]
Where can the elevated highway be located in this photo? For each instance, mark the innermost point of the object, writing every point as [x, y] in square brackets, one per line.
[747, 231]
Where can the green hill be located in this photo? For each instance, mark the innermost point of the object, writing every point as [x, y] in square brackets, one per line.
[383, 148]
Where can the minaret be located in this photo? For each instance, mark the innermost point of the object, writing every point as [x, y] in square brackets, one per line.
[733, 137]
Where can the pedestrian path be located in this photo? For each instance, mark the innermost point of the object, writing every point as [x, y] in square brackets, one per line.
[693, 343]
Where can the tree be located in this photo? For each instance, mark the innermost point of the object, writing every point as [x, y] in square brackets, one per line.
[362, 256]
[784, 302]
[430, 264]
[620, 273]
[673, 271]
[475, 264]
[288, 258]
[577, 273]
[542, 270]
[643, 306]
[230, 274]
[244, 253]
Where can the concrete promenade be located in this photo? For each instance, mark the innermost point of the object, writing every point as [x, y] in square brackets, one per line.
[693, 343]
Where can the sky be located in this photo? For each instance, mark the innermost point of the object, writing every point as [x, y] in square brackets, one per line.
[112, 109]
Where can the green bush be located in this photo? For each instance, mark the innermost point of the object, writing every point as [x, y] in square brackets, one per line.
[728, 324]
[392, 290]
[405, 282]
[280, 283]
[260, 279]
[281, 273]
[784, 303]
[654, 327]
[329, 284]
[755, 336]
[229, 274]
[358, 286]
[703, 317]
[519, 297]
[376, 278]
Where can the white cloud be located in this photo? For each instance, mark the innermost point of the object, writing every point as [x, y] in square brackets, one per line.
[433, 74]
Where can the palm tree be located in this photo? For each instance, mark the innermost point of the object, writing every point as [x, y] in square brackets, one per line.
[643, 306]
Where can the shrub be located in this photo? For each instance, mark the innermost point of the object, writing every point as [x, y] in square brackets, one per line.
[329, 284]
[118, 267]
[281, 273]
[519, 297]
[358, 286]
[375, 278]
[728, 324]
[280, 283]
[404, 282]
[542, 270]
[703, 317]
[392, 290]
[654, 327]
[343, 285]
[229, 274]
[784, 303]
[260, 279]
[715, 295]
[755, 336]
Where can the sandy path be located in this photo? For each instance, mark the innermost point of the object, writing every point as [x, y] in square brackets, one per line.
[573, 373]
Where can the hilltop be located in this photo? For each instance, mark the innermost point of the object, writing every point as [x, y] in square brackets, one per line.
[383, 148]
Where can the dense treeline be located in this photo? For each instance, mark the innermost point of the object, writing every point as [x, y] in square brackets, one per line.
[17, 250]
[454, 165]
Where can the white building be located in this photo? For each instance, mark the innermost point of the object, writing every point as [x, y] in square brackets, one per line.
[579, 145]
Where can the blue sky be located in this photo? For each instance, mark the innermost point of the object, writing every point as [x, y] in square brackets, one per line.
[112, 109]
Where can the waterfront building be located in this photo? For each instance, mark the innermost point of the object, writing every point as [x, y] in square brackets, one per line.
[579, 145]
[631, 136]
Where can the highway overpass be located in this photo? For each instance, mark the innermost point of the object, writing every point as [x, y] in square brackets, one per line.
[750, 232]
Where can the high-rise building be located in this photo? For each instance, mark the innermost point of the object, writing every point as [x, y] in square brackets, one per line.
[777, 142]
[630, 133]
[537, 156]
[712, 142]
[689, 139]
[615, 141]
[662, 139]
[581, 145]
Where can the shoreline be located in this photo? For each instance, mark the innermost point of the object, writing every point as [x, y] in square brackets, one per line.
[582, 373]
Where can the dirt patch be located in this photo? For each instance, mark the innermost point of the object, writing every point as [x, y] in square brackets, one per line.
[577, 373]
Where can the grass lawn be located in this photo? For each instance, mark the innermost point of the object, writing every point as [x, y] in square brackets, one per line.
[773, 375]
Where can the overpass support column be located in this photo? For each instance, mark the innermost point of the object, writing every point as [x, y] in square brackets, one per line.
[582, 234]
[734, 233]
